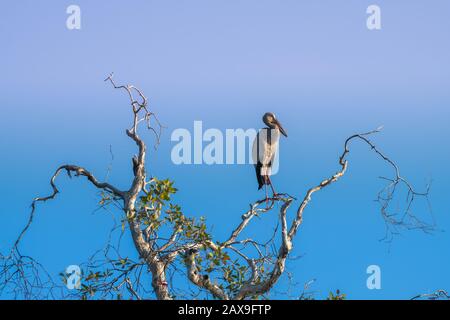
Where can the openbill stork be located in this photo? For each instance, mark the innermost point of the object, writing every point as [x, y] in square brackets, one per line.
[265, 147]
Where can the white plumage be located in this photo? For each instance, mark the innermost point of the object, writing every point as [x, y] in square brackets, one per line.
[265, 149]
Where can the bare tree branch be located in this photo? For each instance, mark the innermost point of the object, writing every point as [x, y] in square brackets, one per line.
[202, 281]
[264, 262]
[437, 295]
[287, 236]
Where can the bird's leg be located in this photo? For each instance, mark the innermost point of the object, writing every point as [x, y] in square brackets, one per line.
[267, 195]
[275, 194]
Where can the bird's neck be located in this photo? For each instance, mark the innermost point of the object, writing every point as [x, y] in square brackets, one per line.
[273, 133]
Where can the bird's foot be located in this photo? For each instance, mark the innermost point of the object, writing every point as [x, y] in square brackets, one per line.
[267, 203]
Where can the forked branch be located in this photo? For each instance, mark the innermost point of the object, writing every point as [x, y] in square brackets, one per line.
[264, 267]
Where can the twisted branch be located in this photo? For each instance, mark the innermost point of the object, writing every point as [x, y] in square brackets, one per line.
[159, 258]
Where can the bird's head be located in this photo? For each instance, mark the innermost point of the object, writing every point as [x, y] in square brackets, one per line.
[271, 121]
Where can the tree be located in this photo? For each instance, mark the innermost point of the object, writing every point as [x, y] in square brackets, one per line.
[171, 245]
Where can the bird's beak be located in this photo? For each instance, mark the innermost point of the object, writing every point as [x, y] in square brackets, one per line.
[278, 124]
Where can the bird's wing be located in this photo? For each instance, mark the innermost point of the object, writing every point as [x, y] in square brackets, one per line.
[262, 151]
[255, 151]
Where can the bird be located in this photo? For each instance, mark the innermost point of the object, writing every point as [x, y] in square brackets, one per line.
[265, 147]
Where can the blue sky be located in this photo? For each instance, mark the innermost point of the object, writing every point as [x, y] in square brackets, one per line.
[313, 63]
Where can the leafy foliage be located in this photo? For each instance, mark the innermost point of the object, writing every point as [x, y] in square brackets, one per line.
[336, 296]
[156, 210]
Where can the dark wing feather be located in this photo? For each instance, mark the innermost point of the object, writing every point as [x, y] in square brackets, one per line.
[259, 177]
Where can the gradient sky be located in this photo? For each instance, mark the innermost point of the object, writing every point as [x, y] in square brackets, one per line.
[313, 63]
